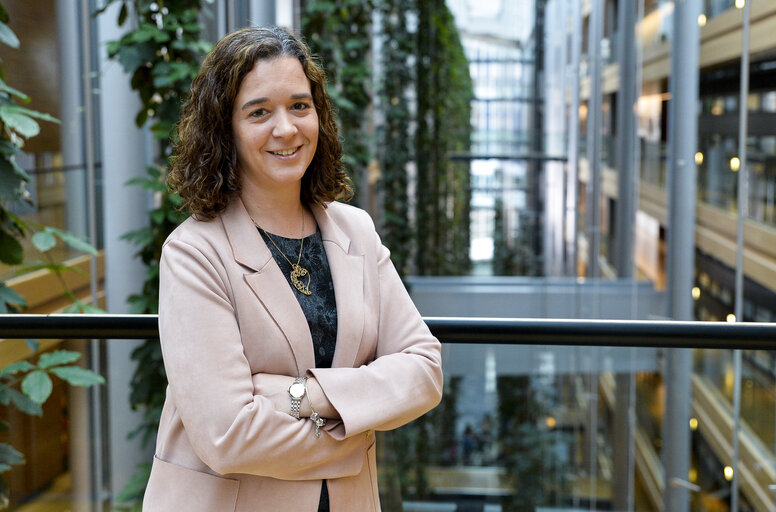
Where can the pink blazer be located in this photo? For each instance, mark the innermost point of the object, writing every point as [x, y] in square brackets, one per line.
[226, 312]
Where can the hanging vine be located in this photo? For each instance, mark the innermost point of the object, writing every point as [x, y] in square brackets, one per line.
[395, 142]
[162, 54]
[339, 32]
[443, 128]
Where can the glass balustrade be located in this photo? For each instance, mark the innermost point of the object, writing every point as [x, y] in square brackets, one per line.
[520, 427]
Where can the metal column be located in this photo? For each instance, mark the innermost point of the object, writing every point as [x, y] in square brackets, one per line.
[572, 221]
[625, 139]
[594, 106]
[683, 136]
[743, 212]
[623, 255]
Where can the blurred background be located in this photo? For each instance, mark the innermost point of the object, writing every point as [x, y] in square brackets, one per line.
[579, 159]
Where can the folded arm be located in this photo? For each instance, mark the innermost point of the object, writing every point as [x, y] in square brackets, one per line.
[230, 427]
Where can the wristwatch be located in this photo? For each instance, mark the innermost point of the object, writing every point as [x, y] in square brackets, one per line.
[297, 391]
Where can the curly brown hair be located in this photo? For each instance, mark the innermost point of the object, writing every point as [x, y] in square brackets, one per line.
[204, 161]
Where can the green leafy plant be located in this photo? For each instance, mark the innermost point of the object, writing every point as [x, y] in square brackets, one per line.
[36, 386]
[528, 445]
[162, 53]
[34, 381]
[339, 33]
[443, 129]
[395, 152]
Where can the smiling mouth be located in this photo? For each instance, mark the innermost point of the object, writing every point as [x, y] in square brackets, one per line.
[285, 152]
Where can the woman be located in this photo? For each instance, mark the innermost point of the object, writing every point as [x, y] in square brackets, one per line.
[288, 337]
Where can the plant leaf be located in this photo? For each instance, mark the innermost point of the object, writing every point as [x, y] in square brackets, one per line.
[33, 345]
[10, 296]
[123, 14]
[73, 241]
[77, 376]
[11, 251]
[7, 36]
[135, 487]
[14, 92]
[19, 171]
[37, 385]
[9, 455]
[50, 359]
[79, 307]
[24, 403]
[19, 121]
[34, 113]
[91, 310]
[43, 240]
[10, 180]
[13, 368]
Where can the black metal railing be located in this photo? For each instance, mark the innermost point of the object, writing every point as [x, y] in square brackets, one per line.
[611, 333]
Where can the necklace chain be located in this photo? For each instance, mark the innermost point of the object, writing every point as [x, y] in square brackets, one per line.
[297, 270]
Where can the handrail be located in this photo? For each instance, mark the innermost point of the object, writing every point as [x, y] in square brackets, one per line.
[453, 330]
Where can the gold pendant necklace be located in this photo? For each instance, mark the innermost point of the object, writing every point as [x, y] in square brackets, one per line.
[297, 270]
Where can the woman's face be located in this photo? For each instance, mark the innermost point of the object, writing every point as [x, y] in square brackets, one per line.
[275, 125]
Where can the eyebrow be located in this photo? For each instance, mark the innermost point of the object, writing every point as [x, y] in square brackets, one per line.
[263, 99]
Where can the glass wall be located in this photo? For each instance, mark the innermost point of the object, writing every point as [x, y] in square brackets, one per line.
[542, 428]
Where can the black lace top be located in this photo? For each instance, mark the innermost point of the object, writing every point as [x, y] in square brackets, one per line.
[319, 307]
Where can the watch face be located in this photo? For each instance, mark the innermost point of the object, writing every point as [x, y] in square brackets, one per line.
[296, 390]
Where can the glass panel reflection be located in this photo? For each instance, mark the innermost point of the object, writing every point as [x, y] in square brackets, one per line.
[541, 428]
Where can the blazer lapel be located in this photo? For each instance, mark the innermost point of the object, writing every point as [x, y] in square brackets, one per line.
[268, 282]
[347, 274]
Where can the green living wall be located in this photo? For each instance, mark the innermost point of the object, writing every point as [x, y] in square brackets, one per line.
[444, 92]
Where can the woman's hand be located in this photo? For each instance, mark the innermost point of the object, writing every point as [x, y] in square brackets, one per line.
[275, 388]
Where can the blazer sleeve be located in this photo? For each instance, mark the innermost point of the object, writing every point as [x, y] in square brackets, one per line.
[405, 379]
[231, 429]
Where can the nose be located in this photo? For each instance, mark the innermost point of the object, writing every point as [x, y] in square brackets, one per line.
[284, 127]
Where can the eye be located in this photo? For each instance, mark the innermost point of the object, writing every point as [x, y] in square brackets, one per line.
[300, 105]
[259, 112]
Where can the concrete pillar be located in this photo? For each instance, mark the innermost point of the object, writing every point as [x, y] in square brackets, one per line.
[124, 151]
[683, 134]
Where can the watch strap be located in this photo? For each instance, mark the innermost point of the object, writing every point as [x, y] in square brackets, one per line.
[296, 402]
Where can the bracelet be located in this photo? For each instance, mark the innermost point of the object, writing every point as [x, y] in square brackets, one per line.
[314, 416]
